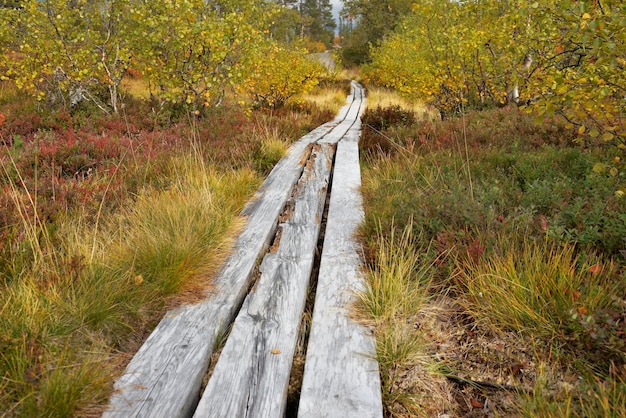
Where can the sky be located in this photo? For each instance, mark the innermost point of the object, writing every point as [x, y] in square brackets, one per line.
[337, 6]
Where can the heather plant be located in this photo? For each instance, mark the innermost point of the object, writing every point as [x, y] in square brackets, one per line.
[377, 121]
[551, 181]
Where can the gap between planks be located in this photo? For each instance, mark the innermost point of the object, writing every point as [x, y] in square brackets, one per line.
[251, 377]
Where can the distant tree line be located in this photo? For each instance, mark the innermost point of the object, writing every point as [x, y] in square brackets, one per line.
[190, 52]
[309, 20]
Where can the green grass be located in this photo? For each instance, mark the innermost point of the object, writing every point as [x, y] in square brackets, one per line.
[396, 283]
[549, 293]
[175, 234]
[398, 286]
[524, 248]
[270, 150]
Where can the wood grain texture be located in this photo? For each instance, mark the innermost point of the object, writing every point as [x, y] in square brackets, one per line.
[164, 377]
[341, 377]
[251, 377]
[357, 102]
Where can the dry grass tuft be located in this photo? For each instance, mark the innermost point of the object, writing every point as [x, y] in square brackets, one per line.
[397, 286]
[86, 289]
[381, 97]
[327, 98]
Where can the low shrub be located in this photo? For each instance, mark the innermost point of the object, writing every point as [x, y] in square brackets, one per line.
[376, 135]
[273, 83]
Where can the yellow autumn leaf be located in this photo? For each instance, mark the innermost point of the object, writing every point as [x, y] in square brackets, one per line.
[607, 136]
[599, 168]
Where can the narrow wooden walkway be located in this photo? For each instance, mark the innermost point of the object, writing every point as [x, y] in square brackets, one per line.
[251, 376]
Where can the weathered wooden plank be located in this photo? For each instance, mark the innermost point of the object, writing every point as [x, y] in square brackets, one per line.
[164, 377]
[251, 376]
[341, 377]
[343, 112]
[352, 115]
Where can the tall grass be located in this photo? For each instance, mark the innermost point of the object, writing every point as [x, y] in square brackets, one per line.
[176, 235]
[545, 287]
[106, 221]
[331, 98]
[397, 286]
[76, 304]
[397, 283]
[271, 147]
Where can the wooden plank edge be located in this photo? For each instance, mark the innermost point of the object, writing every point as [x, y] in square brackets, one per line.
[352, 117]
[132, 390]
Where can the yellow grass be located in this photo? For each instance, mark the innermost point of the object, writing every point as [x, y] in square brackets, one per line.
[396, 288]
[75, 301]
[327, 98]
[378, 96]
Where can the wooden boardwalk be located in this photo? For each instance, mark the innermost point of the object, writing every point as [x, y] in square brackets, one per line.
[251, 376]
